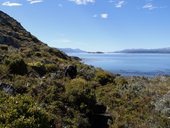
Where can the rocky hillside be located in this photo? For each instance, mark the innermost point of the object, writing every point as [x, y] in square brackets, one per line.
[13, 34]
[42, 87]
[50, 88]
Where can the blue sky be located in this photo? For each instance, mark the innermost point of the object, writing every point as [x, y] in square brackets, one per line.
[95, 25]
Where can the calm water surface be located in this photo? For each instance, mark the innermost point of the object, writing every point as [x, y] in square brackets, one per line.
[129, 64]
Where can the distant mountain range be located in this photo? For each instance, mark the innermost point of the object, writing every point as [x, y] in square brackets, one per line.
[159, 50]
[70, 50]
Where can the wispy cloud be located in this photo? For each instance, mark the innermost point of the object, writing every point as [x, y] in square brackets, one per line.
[104, 15]
[11, 4]
[149, 6]
[35, 1]
[119, 4]
[82, 2]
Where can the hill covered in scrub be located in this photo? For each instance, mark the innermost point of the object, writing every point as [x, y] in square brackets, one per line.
[42, 87]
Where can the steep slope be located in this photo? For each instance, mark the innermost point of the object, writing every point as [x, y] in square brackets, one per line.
[45, 87]
[12, 33]
[42, 87]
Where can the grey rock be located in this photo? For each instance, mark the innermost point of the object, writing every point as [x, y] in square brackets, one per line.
[7, 88]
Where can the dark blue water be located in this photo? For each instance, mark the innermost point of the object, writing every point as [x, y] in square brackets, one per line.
[129, 64]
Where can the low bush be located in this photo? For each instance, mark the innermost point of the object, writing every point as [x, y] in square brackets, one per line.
[23, 112]
[18, 66]
[51, 67]
[80, 95]
[38, 67]
[104, 77]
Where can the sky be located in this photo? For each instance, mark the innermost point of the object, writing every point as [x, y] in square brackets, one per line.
[94, 25]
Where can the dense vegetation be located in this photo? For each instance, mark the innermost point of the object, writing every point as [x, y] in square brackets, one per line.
[41, 87]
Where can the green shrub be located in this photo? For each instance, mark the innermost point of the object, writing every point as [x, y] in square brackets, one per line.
[51, 67]
[38, 54]
[57, 53]
[85, 71]
[104, 77]
[3, 70]
[38, 67]
[21, 84]
[121, 81]
[23, 112]
[18, 66]
[80, 95]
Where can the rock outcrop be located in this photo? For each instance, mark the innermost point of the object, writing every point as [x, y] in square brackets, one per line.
[13, 33]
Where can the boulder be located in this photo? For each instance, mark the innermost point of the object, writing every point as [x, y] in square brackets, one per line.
[7, 88]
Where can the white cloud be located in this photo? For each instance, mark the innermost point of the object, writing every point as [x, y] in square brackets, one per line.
[120, 4]
[82, 2]
[149, 6]
[35, 1]
[10, 4]
[104, 15]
